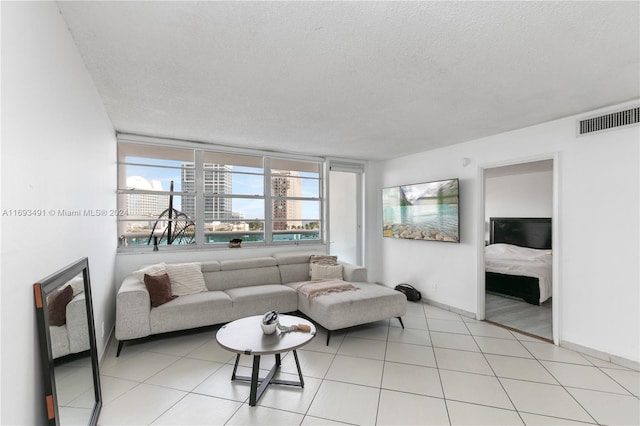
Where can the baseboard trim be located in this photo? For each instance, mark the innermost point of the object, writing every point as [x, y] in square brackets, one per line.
[449, 308]
[604, 356]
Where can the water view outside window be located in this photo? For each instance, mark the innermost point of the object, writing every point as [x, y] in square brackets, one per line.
[170, 195]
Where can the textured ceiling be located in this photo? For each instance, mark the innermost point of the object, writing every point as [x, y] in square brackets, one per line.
[370, 80]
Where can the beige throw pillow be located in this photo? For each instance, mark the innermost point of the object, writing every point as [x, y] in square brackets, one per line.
[321, 271]
[77, 284]
[157, 269]
[320, 259]
[186, 278]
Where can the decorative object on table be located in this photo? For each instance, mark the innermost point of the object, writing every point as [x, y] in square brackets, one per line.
[235, 243]
[410, 291]
[296, 327]
[269, 322]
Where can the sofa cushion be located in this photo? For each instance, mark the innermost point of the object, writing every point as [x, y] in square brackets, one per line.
[59, 341]
[159, 287]
[259, 299]
[294, 266]
[255, 262]
[235, 278]
[294, 257]
[77, 329]
[191, 311]
[210, 266]
[186, 278]
[372, 302]
[294, 272]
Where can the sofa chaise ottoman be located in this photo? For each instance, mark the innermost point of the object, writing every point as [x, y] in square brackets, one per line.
[369, 302]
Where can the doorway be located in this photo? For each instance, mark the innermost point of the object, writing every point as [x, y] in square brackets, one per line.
[345, 211]
[520, 190]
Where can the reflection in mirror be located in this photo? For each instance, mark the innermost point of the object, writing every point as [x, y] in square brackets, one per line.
[69, 354]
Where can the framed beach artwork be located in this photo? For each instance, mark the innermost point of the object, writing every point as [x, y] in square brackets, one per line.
[427, 211]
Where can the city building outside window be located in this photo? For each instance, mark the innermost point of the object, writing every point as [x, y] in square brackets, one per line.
[200, 198]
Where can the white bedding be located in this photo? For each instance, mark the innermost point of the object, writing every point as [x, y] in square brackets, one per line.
[514, 260]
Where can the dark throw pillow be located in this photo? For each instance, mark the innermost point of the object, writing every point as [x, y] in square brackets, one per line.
[57, 306]
[159, 287]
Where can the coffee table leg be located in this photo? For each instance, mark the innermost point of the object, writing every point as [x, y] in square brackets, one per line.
[258, 385]
[253, 395]
[295, 355]
[235, 367]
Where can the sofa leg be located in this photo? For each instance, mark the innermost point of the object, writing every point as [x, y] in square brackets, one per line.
[120, 345]
[401, 323]
[328, 336]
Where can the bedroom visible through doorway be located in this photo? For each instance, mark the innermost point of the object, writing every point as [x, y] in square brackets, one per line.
[518, 264]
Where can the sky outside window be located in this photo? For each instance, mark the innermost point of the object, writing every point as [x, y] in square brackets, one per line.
[245, 184]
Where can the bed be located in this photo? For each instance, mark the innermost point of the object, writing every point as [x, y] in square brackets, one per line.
[518, 259]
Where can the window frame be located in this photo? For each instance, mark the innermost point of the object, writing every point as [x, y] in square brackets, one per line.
[201, 151]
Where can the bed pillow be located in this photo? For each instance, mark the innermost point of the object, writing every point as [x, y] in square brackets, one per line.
[157, 269]
[159, 287]
[186, 278]
[512, 252]
[320, 271]
[57, 306]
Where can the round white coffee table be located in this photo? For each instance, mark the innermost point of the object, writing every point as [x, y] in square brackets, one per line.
[245, 337]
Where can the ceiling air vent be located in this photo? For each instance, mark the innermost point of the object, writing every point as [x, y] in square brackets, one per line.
[609, 121]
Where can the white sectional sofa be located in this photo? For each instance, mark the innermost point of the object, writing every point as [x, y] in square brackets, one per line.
[253, 286]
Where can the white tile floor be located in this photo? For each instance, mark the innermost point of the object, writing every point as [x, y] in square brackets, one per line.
[442, 369]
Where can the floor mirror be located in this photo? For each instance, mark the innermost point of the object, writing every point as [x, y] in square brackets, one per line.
[68, 349]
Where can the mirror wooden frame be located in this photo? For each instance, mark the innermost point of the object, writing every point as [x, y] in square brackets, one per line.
[42, 290]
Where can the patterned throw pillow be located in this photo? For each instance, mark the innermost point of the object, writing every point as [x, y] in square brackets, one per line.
[186, 278]
[323, 259]
[315, 260]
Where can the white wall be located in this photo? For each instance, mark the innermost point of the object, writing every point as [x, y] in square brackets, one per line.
[58, 152]
[598, 205]
[518, 195]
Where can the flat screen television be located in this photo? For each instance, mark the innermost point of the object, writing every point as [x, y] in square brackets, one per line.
[422, 211]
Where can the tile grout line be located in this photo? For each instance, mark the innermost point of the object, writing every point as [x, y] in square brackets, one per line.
[484, 356]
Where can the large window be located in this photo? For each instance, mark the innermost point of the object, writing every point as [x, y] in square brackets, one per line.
[295, 199]
[196, 197]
